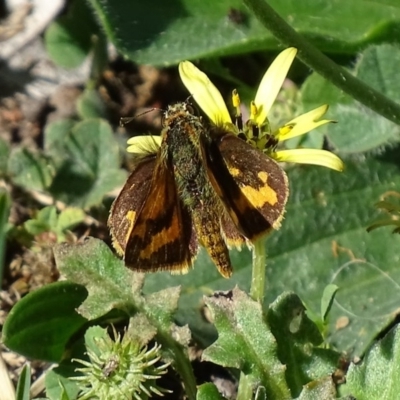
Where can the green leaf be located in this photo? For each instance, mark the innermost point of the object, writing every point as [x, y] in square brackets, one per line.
[58, 386]
[163, 305]
[88, 162]
[359, 129]
[327, 300]
[198, 29]
[48, 215]
[92, 264]
[323, 240]
[384, 223]
[316, 91]
[69, 39]
[92, 334]
[208, 391]
[260, 393]
[245, 342]
[29, 169]
[4, 154]
[389, 205]
[41, 324]
[35, 227]
[391, 208]
[377, 66]
[55, 136]
[140, 329]
[376, 377]
[113, 286]
[297, 339]
[91, 105]
[5, 204]
[45, 221]
[24, 384]
[317, 390]
[69, 218]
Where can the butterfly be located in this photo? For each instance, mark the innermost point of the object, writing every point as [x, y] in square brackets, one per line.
[202, 185]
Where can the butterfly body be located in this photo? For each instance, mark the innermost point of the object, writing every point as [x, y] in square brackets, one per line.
[193, 191]
[182, 147]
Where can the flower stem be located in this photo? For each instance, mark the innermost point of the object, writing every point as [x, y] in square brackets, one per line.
[313, 58]
[258, 277]
[257, 290]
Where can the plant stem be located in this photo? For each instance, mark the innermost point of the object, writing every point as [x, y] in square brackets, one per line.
[245, 391]
[257, 290]
[181, 364]
[313, 58]
[258, 277]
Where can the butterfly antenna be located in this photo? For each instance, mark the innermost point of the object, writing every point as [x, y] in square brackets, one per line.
[127, 120]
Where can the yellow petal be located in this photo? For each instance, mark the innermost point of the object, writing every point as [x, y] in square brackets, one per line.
[143, 144]
[303, 123]
[310, 156]
[205, 93]
[271, 83]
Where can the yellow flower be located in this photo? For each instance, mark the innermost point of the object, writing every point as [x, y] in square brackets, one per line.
[257, 130]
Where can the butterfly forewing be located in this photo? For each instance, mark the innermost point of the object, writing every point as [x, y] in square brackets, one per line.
[252, 186]
[162, 237]
[129, 203]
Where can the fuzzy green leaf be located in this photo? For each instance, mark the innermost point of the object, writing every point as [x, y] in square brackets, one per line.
[376, 377]
[245, 342]
[111, 285]
[163, 305]
[359, 129]
[141, 329]
[297, 339]
[163, 33]
[108, 281]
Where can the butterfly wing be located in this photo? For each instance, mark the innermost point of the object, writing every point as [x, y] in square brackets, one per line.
[127, 206]
[252, 186]
[162, 236]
